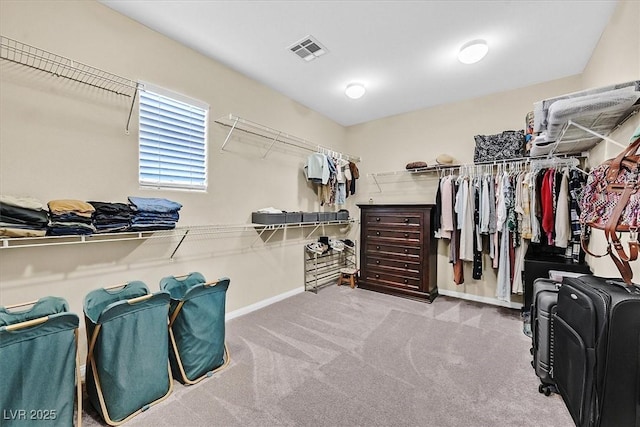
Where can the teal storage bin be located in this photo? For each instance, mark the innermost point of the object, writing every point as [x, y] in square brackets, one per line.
[39, 367]
[196, 326]
[127, 367]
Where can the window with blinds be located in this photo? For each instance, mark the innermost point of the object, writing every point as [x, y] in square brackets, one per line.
[172, 140]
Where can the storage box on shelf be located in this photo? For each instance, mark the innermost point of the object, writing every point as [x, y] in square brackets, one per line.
[297, 217]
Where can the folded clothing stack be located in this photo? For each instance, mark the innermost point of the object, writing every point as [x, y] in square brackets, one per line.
[22, 217]
[153, 213]
[111, 217]
[70, 217]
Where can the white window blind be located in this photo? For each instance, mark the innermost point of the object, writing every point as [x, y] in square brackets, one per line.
[172, 140]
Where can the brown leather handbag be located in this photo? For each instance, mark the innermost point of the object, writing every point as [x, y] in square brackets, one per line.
[611, 202]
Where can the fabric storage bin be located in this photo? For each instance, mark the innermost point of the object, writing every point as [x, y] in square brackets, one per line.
[309, 216]
[293, 217]
[326, 216]
[342, 215]
[39, 369]
[127, 368]
[268, 218]
[196, 326]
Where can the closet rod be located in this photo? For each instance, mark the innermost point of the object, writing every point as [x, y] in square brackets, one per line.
[439, 168]
[275, 136]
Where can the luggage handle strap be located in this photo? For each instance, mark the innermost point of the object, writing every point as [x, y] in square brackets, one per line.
[616, 163]
[585, 247]
[622, 259]
[612, 224]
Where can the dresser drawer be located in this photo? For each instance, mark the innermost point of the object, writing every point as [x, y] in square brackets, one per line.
[396, 272]
[384, 250]
[379, 234]
[407, 266]
[384, 277]
[394, 219]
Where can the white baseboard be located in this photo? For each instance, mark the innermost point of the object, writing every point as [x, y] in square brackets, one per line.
[478, 298]
[261, 304]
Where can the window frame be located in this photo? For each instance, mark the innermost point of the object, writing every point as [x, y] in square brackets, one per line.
[190, 103]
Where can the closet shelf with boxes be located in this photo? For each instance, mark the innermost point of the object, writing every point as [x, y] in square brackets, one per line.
[60, 66]
[235, 123]
[180, 233]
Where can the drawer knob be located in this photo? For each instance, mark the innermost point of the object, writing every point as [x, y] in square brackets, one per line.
[406, 281]
[377, 233]
[406, 220]
[377, 276]
[377, 261]
[377, 218]
[406, 251]
[406, 234]
[377, 248]
[406, 266]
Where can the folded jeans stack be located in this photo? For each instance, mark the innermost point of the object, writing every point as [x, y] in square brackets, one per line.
[111, 217]
[153, 213]
[70, 217]
[22, 217]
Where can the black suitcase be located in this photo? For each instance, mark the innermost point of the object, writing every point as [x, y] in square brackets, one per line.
[597, 351]
[545, 298]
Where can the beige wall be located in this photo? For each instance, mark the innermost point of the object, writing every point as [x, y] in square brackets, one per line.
[389, 144]
[59, 139]
[62, 140]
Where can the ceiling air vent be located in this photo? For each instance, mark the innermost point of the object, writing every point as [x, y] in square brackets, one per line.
[308, 48]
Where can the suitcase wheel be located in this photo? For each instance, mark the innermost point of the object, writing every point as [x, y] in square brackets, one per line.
[546, 389]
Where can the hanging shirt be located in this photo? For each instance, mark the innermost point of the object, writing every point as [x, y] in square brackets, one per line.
[563, 222]
[534, 208]
[447, 224]
[546, 198]
[466, 216]
[317, 168]
[485, 207]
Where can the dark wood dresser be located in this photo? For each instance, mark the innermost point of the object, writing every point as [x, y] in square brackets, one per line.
[398, 251]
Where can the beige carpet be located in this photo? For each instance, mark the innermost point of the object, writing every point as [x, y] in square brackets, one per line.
[350, 357]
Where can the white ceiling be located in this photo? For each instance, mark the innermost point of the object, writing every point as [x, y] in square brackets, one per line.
[403, 51]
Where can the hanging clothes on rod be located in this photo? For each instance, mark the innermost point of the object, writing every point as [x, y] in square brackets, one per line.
[502, 208]
[333, 176]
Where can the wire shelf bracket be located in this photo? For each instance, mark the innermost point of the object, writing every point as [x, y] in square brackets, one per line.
[60, 66]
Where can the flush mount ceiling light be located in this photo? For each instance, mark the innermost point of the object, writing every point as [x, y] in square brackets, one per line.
[355, 90]
[473, 51]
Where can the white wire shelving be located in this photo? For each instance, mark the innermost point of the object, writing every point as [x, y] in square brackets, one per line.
[274, 136]
[179, 233]
[60, 66]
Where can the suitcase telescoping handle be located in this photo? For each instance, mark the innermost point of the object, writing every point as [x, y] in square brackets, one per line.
[632, 289]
